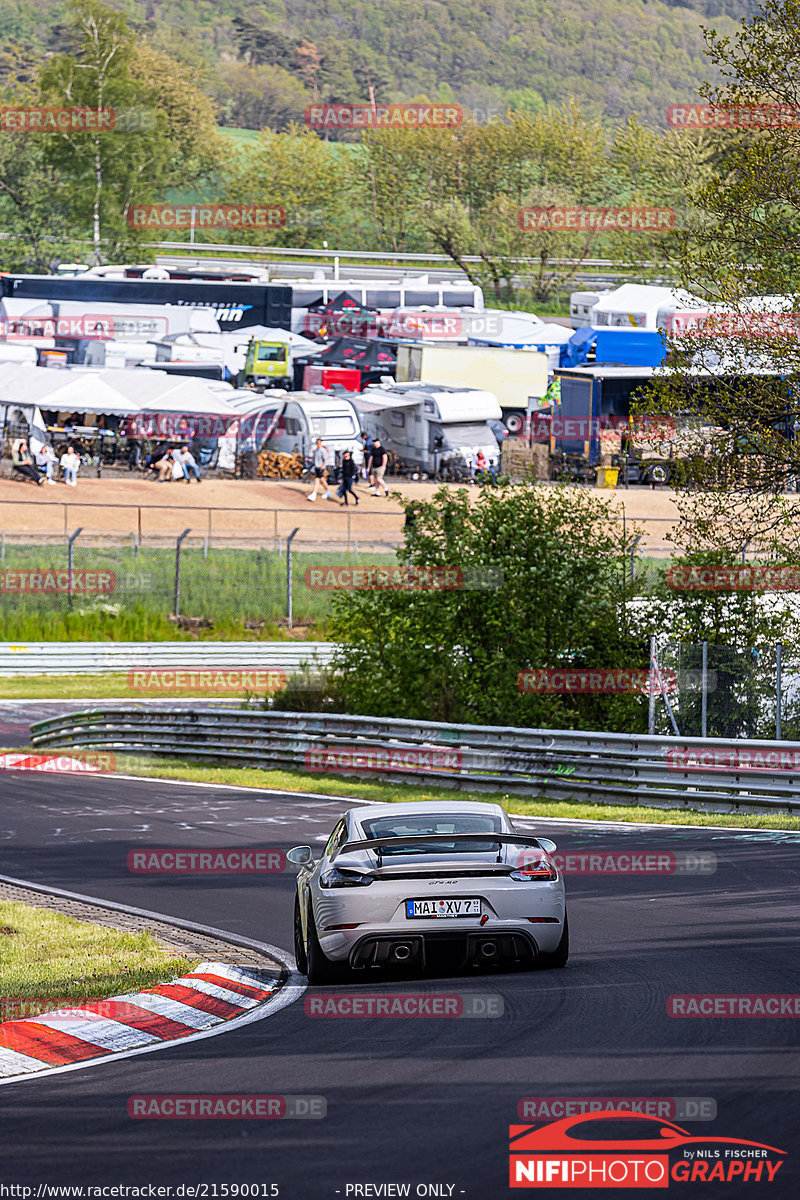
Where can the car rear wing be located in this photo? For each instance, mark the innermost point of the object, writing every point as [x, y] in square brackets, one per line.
[422, 839]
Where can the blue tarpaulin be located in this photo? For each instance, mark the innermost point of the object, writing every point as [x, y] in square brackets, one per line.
[628, 347]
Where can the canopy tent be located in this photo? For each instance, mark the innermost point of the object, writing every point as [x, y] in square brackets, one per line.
[524, 331]
[154, 391]
[342, 303]
[356, 352]
[61, 390]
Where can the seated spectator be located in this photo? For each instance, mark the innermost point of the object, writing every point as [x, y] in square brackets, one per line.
[184, 456]
[22, 462]
[45, 461]
[164, 466]
[70, 464]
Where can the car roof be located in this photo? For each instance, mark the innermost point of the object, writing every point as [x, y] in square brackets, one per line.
[367, 811]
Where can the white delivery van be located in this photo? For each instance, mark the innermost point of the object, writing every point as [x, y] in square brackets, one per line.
[427, 424]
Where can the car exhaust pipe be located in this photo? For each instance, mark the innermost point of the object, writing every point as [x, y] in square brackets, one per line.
[489, 949]
[401, 953]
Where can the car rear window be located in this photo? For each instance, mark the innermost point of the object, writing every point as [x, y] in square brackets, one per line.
[440, 823]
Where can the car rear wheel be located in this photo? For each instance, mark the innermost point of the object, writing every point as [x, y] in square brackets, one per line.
[559, 956]
[320, 967]
[299, 948]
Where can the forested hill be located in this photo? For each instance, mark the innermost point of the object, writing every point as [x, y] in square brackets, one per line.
[264, 62]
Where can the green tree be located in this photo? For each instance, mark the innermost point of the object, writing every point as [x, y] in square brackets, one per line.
[736, 372]
[313, 180]
[543, 586]
[164, 132]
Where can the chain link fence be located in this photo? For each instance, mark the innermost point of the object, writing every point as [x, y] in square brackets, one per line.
[185, 581]
[726, 691]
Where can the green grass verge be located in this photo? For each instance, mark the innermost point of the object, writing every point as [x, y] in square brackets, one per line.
[46, 954]
[111, 685]
[295, 781]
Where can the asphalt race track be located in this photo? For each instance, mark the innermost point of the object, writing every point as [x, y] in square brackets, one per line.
[412, 1101]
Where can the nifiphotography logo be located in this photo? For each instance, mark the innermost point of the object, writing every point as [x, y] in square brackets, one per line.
[624, 1149]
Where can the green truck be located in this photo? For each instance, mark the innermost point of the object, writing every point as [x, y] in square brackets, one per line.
[268, 364]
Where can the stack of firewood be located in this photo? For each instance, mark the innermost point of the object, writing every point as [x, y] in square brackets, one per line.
[279, 466]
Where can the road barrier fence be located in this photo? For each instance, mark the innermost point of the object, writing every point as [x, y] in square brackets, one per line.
[615, 768]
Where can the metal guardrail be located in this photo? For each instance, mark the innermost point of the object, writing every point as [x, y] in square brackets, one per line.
[72, 658]
[389, 256]
[556, 764]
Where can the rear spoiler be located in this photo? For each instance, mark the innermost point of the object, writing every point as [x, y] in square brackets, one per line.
[498, 839]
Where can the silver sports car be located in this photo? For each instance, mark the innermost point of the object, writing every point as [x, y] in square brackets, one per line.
[411, 884]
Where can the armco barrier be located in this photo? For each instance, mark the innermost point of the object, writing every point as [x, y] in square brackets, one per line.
[598, 767]
[84, 658]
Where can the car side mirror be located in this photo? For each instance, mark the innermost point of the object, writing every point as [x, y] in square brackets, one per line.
[547, 844]
[300, 855]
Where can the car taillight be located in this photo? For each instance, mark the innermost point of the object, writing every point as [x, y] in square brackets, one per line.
[334, 878]
[540, 868]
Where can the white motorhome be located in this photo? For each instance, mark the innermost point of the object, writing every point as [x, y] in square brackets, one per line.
[291, 422]
[426, 424]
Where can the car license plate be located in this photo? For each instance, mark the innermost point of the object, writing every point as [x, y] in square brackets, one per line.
[451, 906]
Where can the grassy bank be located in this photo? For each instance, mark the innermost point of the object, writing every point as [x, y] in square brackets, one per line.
[296, 781]
[111, 685]
[46, 954]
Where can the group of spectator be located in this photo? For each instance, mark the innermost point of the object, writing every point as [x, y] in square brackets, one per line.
[39, 467]
[375, 463]
[173, 462]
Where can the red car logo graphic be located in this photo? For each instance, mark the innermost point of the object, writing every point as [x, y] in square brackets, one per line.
[573, 1152]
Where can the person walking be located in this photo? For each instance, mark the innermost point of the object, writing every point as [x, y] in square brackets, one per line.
[349, 476]
[366, 438]
[70, 464]
[378, 469]
[322, 459]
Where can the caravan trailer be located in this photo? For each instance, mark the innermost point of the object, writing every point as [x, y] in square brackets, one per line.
[426, 425]
[294, 420]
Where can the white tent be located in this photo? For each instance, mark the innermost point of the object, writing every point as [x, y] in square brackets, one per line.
[637, 305]
[156, 391]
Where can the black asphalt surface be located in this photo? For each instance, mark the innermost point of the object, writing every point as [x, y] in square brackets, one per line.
[411, 1101]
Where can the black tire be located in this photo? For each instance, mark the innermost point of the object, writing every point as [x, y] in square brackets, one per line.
[300, 956]
[320, 968]
[659, 474]
[560, 955]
